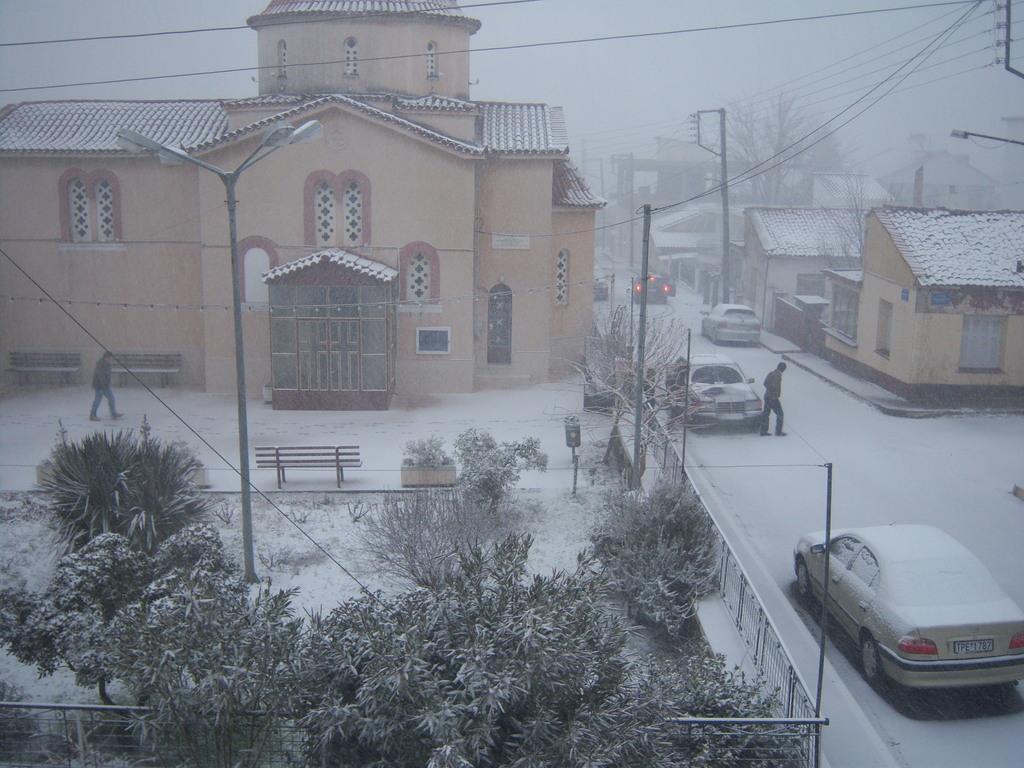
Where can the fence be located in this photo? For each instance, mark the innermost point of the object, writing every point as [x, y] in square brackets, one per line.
[83, 736]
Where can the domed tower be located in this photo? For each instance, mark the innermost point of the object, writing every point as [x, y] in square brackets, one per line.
[364, 46]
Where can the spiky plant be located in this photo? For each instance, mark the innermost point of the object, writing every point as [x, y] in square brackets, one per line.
[115, 483]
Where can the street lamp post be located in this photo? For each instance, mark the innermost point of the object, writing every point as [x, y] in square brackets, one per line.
[278, 136]
[958, 134]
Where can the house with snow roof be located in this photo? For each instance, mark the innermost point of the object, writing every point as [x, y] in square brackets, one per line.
[939, 305]
[787, 249]
[934, 178]
[427, 243]
[687, 244]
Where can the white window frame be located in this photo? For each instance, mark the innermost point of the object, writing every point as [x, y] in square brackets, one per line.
[989, 332]
[447, 330]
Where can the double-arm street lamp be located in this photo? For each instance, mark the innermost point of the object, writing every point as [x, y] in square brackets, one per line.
[278, 136]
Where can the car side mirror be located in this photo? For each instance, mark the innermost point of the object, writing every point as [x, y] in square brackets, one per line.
[750, 381]
[817, 549]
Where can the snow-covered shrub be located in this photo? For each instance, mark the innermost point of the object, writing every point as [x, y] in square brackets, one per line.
[426, 453]
[658, 552]
[117, 483]
[420, 536]
[69, 623]
[488, 470]
[215, 667]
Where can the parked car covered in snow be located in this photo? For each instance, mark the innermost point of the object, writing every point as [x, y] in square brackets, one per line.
[723, 391]
[921, 607]
[731, 322]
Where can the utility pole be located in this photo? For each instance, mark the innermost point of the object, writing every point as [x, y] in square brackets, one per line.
[1006, 42]
[640, 340]
[632, 211]
[724, 187]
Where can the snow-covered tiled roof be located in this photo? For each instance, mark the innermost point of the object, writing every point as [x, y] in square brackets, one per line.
[806, 232]
[447, 10]
[338, 256]
[457, 145]
[523, 129]
[953, 248]
[570, 190]
[434, 103]
[850, 275]
[91, 126]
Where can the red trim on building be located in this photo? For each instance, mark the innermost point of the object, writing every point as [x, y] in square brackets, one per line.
[90, 180]
[342, 181]
[309, 203]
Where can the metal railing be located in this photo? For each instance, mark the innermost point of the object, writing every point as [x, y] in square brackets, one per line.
[94, 736]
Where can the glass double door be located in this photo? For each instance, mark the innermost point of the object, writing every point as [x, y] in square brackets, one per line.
[329, 355]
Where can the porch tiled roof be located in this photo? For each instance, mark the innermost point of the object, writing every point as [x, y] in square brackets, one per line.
[338, 256]
[570, 189]
[523, 129]
[954, 248]
[83, 127]
[806, 232]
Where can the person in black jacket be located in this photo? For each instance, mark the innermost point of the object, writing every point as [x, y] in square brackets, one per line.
[773, 400]
[101, 385]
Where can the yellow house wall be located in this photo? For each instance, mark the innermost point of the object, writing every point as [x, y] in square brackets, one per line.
[156, 262]
[324, 41]
[515, 198]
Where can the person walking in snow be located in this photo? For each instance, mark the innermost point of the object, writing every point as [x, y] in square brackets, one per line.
[101, 385]
[773, 400]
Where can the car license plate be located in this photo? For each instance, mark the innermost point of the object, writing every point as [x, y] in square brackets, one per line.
[961, 647]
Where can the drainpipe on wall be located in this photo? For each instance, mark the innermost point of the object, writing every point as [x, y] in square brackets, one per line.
[764, 292]
[919, 187]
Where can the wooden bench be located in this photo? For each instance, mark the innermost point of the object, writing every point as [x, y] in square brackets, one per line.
[280, 457]
[64, 364]
[163, 364]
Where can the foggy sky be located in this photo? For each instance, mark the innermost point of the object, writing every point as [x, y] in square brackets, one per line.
[618, 95]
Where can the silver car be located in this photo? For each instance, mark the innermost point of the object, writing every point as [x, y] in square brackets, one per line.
[922, 609]
[723, 392]
[731, 322]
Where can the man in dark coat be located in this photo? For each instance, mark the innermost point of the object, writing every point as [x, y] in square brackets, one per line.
[101, 385]
[773, 400]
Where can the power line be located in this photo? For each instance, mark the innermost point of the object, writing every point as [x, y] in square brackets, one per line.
[196, 30]
[186, 424]
[514, 47]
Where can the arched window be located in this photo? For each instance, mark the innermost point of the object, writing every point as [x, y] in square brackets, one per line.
[282, 64]
[90, 206]
[324, 213]
[353, 211]
[562, 277]
[431, 60]
[255, 262]
[79, 209]
[351, 57]
[420, 270]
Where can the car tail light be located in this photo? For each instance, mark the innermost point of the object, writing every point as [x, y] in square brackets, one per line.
[664, 288]
[921, 646]
[1017, 641]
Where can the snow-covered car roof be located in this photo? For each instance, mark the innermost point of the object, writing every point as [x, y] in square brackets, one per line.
[713, 359]
[721, 309]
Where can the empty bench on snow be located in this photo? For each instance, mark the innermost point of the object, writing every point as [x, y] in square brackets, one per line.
[281, 457]
[163, 364]
[64, 364]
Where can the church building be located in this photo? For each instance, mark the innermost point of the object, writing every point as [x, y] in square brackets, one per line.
[426, 243]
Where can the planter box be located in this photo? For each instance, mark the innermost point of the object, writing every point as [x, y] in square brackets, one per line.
[268, 395]
[418, 477]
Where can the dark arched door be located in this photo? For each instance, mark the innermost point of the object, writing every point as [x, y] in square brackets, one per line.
[499, 325]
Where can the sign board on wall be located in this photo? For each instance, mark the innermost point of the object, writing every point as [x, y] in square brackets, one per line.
[500, 242]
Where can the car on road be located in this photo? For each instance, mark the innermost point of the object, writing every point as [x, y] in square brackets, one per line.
[922, 609]
[601, 289]
[723, 392]
[658, 289]
[731, 322]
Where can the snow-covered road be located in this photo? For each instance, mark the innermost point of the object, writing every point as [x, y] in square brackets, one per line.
[953, 472]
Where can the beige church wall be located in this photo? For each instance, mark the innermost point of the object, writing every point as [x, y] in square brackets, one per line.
[324, 41]
[459, 125]
[155, 262]
[571, 323]
[406, 175]
[515, 199]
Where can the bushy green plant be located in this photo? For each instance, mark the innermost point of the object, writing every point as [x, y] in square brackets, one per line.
[426, 453]
[658, 552]
[489, 470]
[117, 483]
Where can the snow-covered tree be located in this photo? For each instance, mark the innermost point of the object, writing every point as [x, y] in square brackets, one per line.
[658, 552]
[487, 470]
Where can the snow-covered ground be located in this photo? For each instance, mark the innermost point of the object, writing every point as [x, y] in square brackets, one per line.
[957, 473]
[559, 522]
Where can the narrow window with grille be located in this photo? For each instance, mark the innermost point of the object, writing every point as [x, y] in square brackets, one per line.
[562, 278]
[431, 61]
[353, 203]
[105, 211]
[80, 217]
[351, 57]
[417, 284]
[325, 214]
